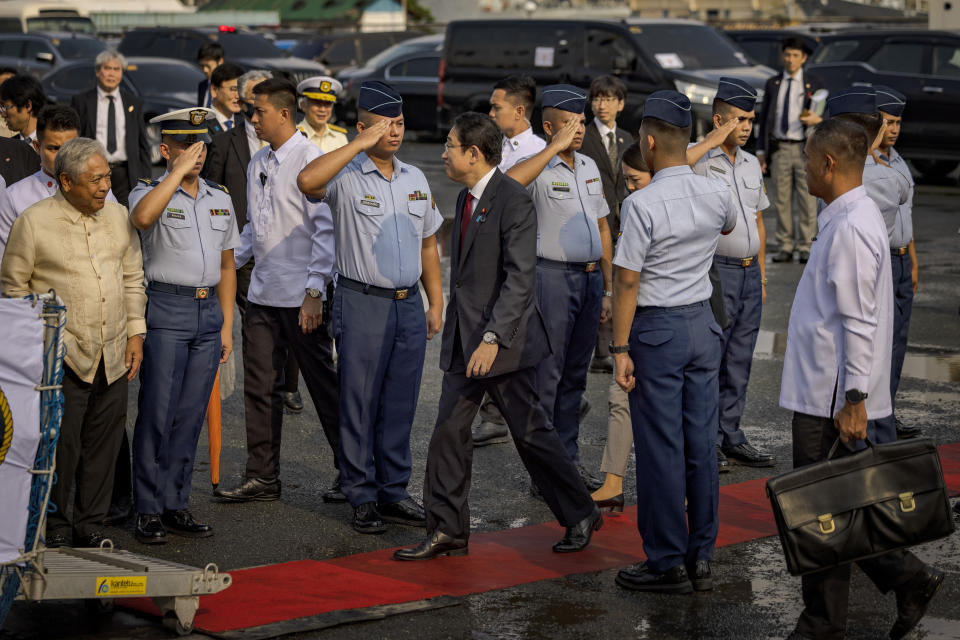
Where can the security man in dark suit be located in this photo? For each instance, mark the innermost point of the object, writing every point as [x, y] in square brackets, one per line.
[492, 342]
[114, 118]
[17, 160]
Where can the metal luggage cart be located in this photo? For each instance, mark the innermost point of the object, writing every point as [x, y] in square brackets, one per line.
[100, 574]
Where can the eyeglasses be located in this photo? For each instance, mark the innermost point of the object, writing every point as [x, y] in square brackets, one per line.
[605, 100]
[449, 146]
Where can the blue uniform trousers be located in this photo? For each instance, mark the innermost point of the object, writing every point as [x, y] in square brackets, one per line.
[743, 303]
[901, 267]
[381, 345]
[673, 408]
[569, 301]
[181, 354]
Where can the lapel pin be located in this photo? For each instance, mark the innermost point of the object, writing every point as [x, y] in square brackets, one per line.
[130, 108]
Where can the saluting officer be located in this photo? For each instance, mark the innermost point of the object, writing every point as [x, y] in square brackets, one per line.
[669, 233]
[188, 231]
[385, 221]
[740, 258]
[573, 259]
[903, 253]
[317, 97]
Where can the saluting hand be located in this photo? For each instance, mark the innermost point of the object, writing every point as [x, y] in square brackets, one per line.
[368, 138]
[716, 137]
[623, 365]
[562, 138]
[188, 159]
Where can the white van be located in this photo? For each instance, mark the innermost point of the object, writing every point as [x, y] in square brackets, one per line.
[23, 17]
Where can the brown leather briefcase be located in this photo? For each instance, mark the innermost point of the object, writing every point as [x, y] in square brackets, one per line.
[886, 497]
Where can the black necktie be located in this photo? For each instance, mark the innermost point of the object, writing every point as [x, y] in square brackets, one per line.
[785, 116]
[111, 126]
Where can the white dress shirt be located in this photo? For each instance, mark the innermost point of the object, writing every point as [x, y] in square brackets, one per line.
[604, 133]
[477, 190]
[523, 145]
[840, 334]
[225, 122]
[103, 105]
[289, 235]
[794, 104]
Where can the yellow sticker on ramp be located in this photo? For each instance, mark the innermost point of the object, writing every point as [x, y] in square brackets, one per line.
[110, 586]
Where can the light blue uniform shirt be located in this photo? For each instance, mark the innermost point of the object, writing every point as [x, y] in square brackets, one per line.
[745, 180]
[184, 246]
[569, 203]
[380, 224]
[669, 232]
[903, 228]
[889, 189]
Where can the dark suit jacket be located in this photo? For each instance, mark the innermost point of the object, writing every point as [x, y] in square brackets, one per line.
[228, 155]
[203, 90]
[614, 184]
[137, 146]
[768, 126]
[17, 160]
[493, 280]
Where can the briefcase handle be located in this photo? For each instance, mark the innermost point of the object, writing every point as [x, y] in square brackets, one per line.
[836, 443]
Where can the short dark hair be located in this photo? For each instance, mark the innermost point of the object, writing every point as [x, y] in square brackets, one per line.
[224, 73]
[480, 131]
[722, 107]
[608, 86]
[57, 117]
[281, 93]
[210, 51]
[22, 90]
[843, 139]
[519, 88]
[5, 70]
[669, 135]
[871, 123]
[633, 158]
[795, 43]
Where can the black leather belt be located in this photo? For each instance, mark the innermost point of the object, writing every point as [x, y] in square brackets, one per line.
[381, 292]
[740, 262]
[684, 307]
[198, 293]
[569, 266]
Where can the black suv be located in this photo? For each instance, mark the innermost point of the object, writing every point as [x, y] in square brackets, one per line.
[37, 54]
[924, 66]
[648, 55]
[341, 50]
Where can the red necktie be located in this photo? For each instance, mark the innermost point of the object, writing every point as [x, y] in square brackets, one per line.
[465, 221]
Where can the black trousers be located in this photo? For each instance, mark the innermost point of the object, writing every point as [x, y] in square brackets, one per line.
[291, 373]
[826, 593]
[450, 456]
[269, 334]
[93, 424]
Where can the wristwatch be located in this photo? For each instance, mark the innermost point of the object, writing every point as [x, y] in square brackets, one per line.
[490, 337]
[607, 293]
[623, 348]
[855, 396]
[313, 293]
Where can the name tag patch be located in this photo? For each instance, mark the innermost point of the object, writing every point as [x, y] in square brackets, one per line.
[718, 170]
[560, 186]
[176, 214]
[370, 201]
[219, 212]
[417, 195]
[592, 180]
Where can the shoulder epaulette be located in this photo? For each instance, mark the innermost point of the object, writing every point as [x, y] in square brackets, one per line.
[334, 127]
[211, 183]
[149, 182]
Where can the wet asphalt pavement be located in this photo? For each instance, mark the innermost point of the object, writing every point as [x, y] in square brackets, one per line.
[754, 596]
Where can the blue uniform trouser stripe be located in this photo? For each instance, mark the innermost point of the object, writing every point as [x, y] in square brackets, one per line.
[743, 302]
[381, 345]
[570, 304]
[181, 354]
[673, 410]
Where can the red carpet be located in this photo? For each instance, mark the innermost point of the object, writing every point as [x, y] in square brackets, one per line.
[499, 559]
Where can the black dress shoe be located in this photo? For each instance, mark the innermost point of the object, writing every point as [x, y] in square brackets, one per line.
[366, 519]
[91, 540]
[250, 490]
[913, 598]
[407, 512]
[956, 508]
[119, 513]
[601, 364]
[700, 575]
[182, 523]
[783, 256]
[577, 537]
[904, 432]
[58, 540]
[615, 504]
[438, 544]
[334, 494]
[747, 455]
[804, 257]
[723, 465]
[490, 433]
[292, 402]
[593, 482]
[150, 529]
[640, 578]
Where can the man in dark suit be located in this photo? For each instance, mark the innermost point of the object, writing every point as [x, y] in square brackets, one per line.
[114, 117]
[17, 160]
[209, 57]
[604, 142]
[492, 341]
[784, 124]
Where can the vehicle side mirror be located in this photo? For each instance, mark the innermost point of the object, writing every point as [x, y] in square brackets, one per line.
[45, 56]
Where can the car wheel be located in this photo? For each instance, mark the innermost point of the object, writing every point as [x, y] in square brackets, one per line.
[153, 139]
[935, 168]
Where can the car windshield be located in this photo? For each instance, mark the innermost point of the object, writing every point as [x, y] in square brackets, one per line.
[398, 50]
[160, 79]
[681, 46]
[66, 23]
[79, 48]
[248, 45]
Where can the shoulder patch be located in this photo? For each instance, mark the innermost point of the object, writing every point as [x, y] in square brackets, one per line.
[211, 183]
[334, 127]
[149, 182]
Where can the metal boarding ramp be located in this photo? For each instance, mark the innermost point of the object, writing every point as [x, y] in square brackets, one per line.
[99, 574]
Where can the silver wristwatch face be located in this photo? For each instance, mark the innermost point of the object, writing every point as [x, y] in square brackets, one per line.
[490, 337]
[313, 293]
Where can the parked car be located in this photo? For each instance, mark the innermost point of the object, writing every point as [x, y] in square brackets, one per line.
[246, 49]
[765, 46]
[648, 55]
[411, 68]
[337, 51]
[164, 85]
[924, 66]
[37, 54]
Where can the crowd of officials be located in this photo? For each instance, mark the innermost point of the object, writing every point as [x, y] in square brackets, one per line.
[582, 250]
